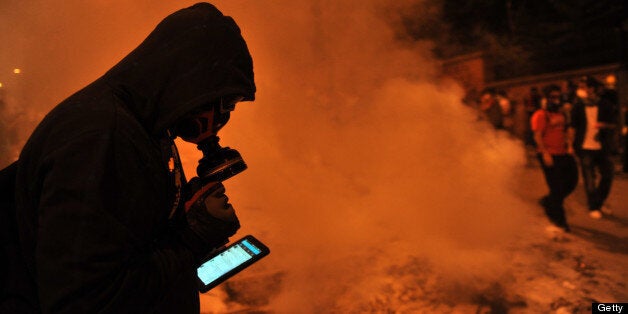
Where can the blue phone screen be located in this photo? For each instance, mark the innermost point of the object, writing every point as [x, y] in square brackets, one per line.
[224, 262]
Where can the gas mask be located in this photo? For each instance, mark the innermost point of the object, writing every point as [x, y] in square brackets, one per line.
[218, 163]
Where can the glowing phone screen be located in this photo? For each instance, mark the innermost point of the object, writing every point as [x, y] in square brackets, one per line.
[227, 261]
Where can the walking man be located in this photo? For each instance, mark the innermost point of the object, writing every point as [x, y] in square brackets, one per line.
[555, 153]
[593, 120]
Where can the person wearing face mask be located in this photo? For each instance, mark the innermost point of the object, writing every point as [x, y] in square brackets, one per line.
[106, 221]
[594, 122]
[555, 154]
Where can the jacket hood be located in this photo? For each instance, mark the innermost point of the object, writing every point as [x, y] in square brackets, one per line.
[193, 56]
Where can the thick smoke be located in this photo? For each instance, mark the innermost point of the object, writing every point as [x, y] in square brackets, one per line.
[366, 173]
[365, 169]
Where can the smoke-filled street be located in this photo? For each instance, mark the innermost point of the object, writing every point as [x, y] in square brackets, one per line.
[526, 269]
[376, 189]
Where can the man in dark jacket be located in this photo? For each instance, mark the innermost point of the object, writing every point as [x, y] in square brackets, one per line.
[99, 205]
[593, 119]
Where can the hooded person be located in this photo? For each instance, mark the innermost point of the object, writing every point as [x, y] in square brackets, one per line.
[103, 221]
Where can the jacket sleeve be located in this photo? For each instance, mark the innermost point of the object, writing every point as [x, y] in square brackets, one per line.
[102, 246]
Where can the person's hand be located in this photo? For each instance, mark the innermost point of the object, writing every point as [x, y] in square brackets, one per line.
[211, 197]
[209, 214]
[547, 159]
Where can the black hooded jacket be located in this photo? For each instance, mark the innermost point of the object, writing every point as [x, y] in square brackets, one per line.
[93, 189]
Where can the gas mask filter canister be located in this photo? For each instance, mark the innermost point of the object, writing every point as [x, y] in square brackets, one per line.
[218, 163]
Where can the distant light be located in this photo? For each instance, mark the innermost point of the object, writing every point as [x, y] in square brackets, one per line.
[17, 71]
[611, 80]
[0, 85]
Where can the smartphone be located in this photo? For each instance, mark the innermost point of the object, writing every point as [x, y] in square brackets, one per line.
[232, 259]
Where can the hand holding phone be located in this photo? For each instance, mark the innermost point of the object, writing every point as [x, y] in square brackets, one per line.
[225, 263]
[210, 217]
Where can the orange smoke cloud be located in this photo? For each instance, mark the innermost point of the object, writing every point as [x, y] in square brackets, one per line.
[361, 159]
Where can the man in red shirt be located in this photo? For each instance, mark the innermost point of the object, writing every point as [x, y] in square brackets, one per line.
[555, 152]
